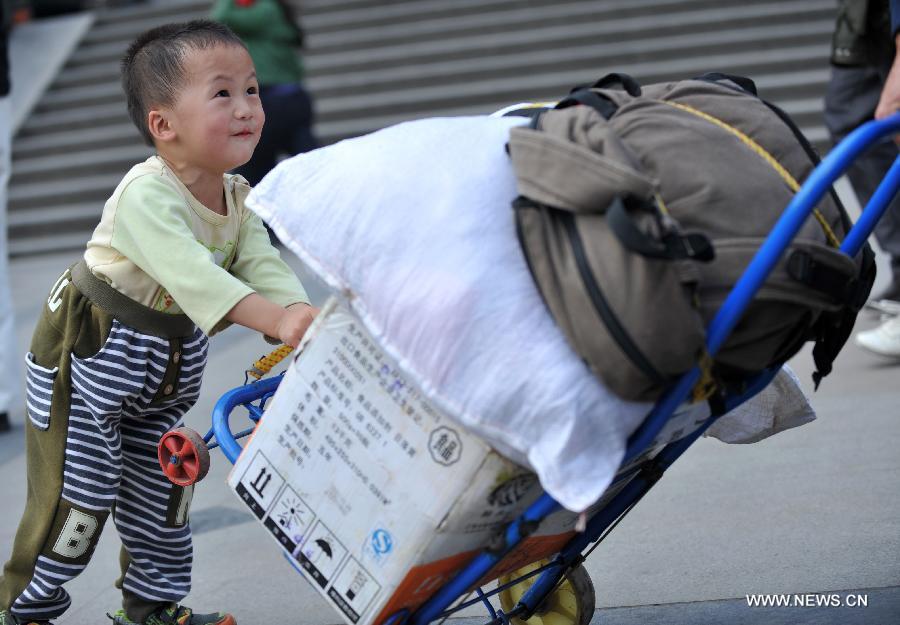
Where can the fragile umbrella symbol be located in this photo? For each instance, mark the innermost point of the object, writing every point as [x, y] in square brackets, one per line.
[325, 546]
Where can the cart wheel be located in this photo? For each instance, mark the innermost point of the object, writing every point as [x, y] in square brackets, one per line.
[183, 456]
[570, 603]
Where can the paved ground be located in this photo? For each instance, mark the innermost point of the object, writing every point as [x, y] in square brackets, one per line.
[813, 510]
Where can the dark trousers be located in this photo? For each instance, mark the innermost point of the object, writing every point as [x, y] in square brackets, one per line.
[287, 131]
[850, 100]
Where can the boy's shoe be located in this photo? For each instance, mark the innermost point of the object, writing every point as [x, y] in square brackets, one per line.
[174, 615]
[8, 619]
[883, 340]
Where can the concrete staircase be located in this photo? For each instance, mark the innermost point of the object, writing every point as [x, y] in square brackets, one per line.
[373, 63]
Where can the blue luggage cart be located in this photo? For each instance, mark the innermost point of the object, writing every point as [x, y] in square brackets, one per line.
[532, 590]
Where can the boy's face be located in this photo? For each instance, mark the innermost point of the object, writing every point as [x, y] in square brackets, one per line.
[218, 116]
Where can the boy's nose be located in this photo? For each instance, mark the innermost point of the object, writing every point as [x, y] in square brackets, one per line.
[243, 109]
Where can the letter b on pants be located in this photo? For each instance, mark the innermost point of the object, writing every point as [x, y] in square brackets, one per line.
[75, 538]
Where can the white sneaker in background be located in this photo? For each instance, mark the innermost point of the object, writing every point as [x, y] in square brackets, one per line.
[884, 306]
[883, 340]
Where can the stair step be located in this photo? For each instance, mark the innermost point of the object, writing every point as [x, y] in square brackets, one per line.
[99, 115]
[162, 10]
[67, 215]
[503, 29]
[97, 187]
[108, 70]
[499, 19]
[66, 140]
[95, 74]
[442, 72]
[119, 30]
[512, 87]
[373, 63]
[551, 84]
[588, 56]
[50, 243]
[518, 41]
[63, 165]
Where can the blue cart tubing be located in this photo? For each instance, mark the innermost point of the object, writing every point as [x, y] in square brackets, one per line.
[646, 475]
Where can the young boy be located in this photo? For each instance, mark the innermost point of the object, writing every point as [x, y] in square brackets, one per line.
[117, 357]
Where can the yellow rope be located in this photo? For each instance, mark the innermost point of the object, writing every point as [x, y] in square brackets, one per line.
[661, 204]
[265, 364]
[706, 385]
[766, 156]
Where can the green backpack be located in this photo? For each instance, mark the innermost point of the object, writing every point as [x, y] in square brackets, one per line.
[638, 210]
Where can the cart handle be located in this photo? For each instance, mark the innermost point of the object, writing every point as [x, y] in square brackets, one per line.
[228, 402]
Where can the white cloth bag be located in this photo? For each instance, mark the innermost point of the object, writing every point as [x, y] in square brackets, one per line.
[414, 225]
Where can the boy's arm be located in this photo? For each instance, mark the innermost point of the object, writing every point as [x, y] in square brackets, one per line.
[258, 264]
[287, 324]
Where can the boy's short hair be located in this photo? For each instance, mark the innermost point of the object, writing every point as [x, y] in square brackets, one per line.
[153, 66]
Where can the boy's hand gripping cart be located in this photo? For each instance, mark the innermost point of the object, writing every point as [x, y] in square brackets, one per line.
[559, 592]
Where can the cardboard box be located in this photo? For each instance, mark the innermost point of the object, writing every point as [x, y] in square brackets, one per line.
[375, 495]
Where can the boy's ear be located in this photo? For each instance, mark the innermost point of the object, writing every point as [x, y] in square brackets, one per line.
[160, 127]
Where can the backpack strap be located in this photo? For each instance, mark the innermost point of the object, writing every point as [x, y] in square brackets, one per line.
[625, 81]
[603, 105]
[606, 107]
[746, 84]
[833, 329]
[805, 269]
[671, 246]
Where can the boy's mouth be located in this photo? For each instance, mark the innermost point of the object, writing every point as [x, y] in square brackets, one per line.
[243, 133]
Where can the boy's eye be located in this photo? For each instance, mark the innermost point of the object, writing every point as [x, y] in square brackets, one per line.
[252, 90]
[223, 93]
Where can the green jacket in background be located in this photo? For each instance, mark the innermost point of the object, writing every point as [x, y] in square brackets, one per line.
[272, 40]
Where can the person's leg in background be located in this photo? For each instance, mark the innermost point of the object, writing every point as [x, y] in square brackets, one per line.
[302, 137]
[850, 101]
[287, 132]
[9, 351]
[265, 156]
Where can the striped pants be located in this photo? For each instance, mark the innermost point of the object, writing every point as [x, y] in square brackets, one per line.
[100, 440]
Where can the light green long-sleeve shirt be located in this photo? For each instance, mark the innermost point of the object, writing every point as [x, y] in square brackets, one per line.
[157, 244]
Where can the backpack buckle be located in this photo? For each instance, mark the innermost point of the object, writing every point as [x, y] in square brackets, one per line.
[694, 246]
[698, 247]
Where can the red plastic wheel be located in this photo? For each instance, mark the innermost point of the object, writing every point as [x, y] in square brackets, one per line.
[183, 456]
